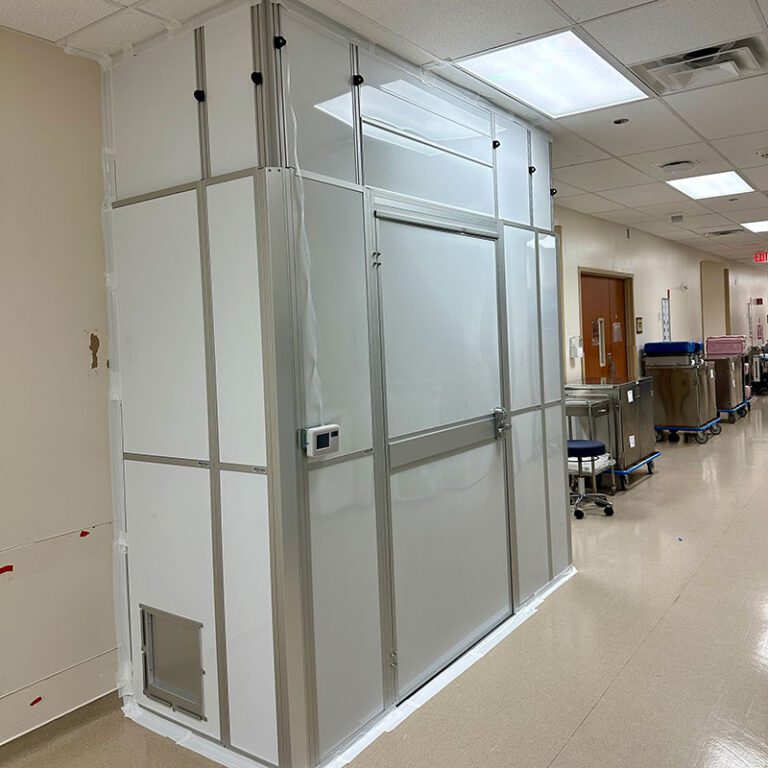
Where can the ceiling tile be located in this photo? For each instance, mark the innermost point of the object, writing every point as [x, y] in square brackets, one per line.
[584, 10]
[684, 207]
[706, 159]
[604, 174]
[667, 27]
[113, 34]
[684, 236]
[181, 10]
[588, 203]
[455, 28]
[565, 190]
[706, 220]
[52, 21]
[570, 149]
[758, 177]
[625, 216]
[727, 109]
[750, 214]
[744, 151]
[657, 227]
[651, 126]
[736, 202]
[645, 195]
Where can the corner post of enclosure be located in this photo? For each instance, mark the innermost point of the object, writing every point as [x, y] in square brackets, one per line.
[284, 462]
[272, 131]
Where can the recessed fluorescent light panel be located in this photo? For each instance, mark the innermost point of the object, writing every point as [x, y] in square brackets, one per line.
[756, 226]
[558, 75]
[712, 185]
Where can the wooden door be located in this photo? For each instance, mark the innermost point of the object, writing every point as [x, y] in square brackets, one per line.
[604, 327]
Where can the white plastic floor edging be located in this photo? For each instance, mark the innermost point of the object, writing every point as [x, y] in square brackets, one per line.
[220, 754]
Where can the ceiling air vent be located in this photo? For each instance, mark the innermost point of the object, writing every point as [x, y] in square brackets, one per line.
[676, 167]
[724, 233]
[705, 66]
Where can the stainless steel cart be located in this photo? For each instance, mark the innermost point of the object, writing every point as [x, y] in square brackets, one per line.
[586, 411]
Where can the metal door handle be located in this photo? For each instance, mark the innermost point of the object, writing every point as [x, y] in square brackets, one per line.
[501, 422]
[601, 338]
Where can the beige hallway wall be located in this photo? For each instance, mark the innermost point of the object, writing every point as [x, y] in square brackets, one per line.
[657, 265]
[57, 637]
[714, 305]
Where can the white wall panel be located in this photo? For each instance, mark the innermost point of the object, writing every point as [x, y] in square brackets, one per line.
[559, 507]
[512, 175]
[440, 327]
[336, 359]
[160, 315]
[155, 118]
[170, 567]
[248, 600]
[450, 545]
[542, 180]
[530, 503]
[522, 317]
[230, 93]
[237, 322]
[345, 590]
[318, 76]
[551, 333]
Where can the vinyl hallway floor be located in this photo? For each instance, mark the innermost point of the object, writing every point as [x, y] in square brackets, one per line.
[655, 655]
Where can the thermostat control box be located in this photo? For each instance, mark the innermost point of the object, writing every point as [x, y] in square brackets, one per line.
[322, 440]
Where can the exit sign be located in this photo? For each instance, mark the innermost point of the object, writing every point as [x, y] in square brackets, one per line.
[761, 257]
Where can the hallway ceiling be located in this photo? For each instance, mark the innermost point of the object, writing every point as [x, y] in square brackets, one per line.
[609, 170]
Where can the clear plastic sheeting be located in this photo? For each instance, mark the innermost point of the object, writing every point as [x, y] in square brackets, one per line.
[551, 335]
[512, 175]
[440, 325]
[449, 539]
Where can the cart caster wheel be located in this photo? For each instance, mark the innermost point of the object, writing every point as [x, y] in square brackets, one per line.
[716, 429]
[731, 418]
[608, 511]
[659, 436]
[651, 467]
[742, 412]
[578, 514]
[674, 437]
[701, 437]
[624, 482]
[749, 407]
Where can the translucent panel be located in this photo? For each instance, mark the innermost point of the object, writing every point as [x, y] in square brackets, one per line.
[345, 590]
[440, 327]
[230, 93]
[395, 162]
[170, 567]
[155, 118]
[542, 180]
[405, 104]
[336, 362]
[551, 333]
[522, 317]
[160, 321]
[530, 503]
[248, 607]
[512, 175]
[450, 550]
[319, 99]
[237, 322]
[559, 509]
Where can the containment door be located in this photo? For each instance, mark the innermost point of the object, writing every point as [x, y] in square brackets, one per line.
[448, 502]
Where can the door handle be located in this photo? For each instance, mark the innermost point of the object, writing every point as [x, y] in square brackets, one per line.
[601, 338]
[501, 422]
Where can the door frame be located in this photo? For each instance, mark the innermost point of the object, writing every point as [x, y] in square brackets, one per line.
[628, 279]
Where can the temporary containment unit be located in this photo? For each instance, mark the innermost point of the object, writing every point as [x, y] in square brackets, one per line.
[338, 461]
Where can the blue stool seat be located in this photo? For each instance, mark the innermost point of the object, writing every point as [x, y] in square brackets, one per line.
[585, 449]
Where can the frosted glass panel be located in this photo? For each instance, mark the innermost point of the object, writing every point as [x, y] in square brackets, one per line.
[248, 608]
[522, 317]
[155, 118]
[160, 321]
[450, 549]
[345, 590]
[336, 361]
[559, 509]
[397, 163]
[237, 322]
[440, 327]
[550, 319]
[512, 171]
[319, 99]
[530, 503]
[230, 93]
[542, 199]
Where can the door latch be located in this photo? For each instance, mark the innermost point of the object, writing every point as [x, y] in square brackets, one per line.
[501, 423]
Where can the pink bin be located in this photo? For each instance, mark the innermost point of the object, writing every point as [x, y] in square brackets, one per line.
[725, 346]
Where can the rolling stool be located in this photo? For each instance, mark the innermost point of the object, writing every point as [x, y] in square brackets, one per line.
[590, 450]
